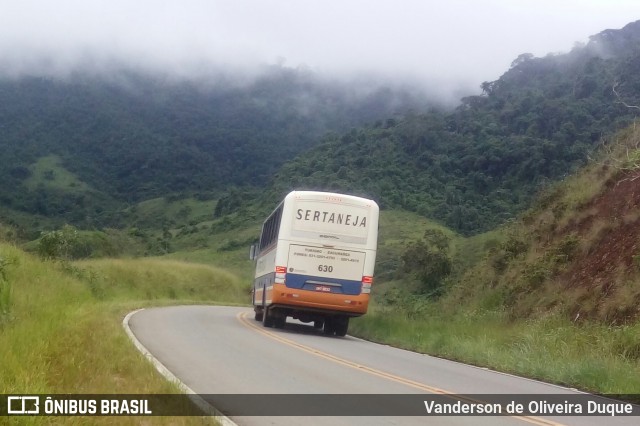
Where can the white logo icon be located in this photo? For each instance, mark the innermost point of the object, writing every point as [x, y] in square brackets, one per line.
[23, 405]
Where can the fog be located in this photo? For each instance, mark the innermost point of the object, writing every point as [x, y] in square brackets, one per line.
[449, 46]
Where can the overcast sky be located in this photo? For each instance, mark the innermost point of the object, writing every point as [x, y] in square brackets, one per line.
[444, 42]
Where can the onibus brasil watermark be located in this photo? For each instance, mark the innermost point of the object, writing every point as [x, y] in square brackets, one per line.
[567, 404]
[69, 406]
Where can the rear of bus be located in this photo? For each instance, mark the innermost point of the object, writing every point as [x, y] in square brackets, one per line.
[324, 260]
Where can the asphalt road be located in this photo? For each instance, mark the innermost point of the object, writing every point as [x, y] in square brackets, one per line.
[222, 350]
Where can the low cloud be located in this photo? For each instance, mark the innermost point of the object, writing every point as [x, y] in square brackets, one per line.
[444, 45]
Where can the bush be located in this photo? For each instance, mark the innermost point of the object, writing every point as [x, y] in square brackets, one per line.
[57, 244]
[429, 260]
[507, 251]
[5, 290]
[68, 243]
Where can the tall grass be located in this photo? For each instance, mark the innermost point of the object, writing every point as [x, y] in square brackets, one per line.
[5, 291]
[590, 356]
[152, 279]
[64, 332]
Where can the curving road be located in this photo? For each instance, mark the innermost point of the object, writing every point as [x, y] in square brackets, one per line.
[222, 350]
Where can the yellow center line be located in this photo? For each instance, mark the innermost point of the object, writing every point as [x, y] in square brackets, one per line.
[242, 317]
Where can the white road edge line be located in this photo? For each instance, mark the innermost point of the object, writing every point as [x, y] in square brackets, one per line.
[199, 401]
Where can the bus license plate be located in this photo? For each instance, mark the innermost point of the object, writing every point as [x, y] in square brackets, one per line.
[323, 288]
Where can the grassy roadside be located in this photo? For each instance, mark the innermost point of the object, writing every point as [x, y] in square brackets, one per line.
[61, 332]
[587, 356]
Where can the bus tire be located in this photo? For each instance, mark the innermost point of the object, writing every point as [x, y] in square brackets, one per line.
[279, 321]
[267, 318]
[258, 315]
[341, 325]
[329, 328]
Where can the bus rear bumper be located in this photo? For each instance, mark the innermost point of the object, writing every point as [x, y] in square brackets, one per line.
[315, 301]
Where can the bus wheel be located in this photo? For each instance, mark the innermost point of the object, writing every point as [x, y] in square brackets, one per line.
[341, 324]
[258, 315]
[329, 328]
[318, 324]
[267, 318]
[279, 321]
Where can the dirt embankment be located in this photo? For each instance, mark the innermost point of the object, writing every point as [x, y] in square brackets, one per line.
[607, 267]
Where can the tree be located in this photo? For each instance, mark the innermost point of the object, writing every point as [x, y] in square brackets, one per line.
[429, 260]
[58, 244]
[522, 58]
[488, 86]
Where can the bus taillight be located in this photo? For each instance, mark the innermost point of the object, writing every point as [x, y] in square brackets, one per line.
[366, 284]
[281, 274]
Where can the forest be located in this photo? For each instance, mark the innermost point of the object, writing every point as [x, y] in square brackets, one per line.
[131, 137]
[480, 165]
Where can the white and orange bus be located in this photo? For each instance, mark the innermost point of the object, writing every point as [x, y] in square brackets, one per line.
[315, 260]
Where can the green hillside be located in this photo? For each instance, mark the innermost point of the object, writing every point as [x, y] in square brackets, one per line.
[480, 165]
[575, 252]
[129, 137]
[554, 295]
[498, 307]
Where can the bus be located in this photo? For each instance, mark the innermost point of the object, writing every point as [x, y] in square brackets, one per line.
[315, 260]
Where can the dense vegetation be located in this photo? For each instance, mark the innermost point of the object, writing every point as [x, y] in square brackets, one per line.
[79, 150]
[556, 295]
[480, 165]
[179, 166]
